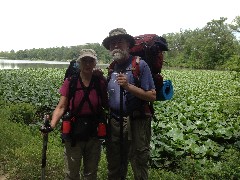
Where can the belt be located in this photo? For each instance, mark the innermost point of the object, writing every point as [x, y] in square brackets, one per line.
[135, 114]
[116, 114]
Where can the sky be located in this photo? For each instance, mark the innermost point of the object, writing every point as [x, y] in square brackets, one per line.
[28, 24]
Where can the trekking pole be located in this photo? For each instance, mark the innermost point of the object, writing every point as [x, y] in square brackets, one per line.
[44, 148]
[121, 134]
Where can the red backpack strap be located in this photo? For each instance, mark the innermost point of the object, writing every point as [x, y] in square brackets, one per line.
[136, 69]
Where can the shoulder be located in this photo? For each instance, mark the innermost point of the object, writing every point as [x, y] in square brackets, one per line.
[142, 62]
[144, 67]
[139, 60]
[67, 81]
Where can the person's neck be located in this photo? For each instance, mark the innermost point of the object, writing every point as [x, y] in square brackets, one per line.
[85, 77]
[122, 62]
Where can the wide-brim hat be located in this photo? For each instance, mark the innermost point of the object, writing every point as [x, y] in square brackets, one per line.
[118, 33]
[87, 53]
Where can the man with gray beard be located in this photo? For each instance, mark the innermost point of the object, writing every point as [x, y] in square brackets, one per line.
[134, 144]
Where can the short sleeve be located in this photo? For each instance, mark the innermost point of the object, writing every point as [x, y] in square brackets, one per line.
[64, 89]
[147, 82]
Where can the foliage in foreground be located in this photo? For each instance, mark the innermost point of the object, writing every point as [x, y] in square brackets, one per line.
[21, 148]
[20, 157]
[193, 134]
[201, 119]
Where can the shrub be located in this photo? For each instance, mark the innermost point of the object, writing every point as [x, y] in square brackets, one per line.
[22, 113]
[227, 167]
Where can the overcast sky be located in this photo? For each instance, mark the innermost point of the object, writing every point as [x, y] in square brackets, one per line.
[27, 24]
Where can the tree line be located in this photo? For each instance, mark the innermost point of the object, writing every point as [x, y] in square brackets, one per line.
[215, 46]
[57, 53]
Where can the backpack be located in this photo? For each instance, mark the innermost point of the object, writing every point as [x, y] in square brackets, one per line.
[150, 47]
[72, 73]
[87, 125]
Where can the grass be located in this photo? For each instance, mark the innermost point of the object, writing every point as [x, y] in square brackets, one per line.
[20, 154]
[21, 148]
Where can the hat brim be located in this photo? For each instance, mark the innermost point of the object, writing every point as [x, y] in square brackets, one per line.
[129, 38]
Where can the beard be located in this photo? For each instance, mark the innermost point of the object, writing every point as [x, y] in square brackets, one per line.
[119, 55]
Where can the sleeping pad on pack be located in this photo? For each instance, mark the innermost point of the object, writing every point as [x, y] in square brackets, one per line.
[166, 92]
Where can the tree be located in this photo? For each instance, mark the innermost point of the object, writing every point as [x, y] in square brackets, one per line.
[219, 41]
[206, 48]
[236, 24]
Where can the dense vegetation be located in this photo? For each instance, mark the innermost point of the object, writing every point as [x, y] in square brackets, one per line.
[195, 135]
[215, 46]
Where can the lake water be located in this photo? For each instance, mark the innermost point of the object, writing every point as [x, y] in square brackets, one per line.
[19, 64]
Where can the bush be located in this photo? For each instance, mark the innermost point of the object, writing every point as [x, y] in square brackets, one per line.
[20, 153]
[22, 113]
[227, 167]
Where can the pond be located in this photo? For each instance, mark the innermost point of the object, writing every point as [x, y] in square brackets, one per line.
[19, 64]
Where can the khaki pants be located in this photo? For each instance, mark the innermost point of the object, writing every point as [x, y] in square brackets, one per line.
[88, 151]
[139, 154]
[136, 148]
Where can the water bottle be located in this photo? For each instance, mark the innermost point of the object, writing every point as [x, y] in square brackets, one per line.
[66, 126]
[101, 130]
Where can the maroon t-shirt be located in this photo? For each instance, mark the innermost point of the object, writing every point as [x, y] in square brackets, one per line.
[96, 101]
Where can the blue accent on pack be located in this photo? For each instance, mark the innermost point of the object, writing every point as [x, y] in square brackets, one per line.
[166, 92]
[76, 65]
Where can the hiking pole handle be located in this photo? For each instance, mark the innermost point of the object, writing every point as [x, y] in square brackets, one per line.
[44, 148]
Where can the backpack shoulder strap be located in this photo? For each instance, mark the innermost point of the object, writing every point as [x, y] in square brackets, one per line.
[85, 98]
[97, 86]
[72, 88]
[136, 69]
[94, 84]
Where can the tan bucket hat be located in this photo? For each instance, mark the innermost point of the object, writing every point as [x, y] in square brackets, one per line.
[118, 33]
[87, 53]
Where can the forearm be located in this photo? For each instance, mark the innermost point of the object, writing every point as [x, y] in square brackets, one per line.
[59, 111]
[140, 93]
[57, 114]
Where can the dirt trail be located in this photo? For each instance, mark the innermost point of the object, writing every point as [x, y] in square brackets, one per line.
[3, 177]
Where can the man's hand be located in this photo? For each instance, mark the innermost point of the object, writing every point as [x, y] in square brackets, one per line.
[122, 80]
[46, 128]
